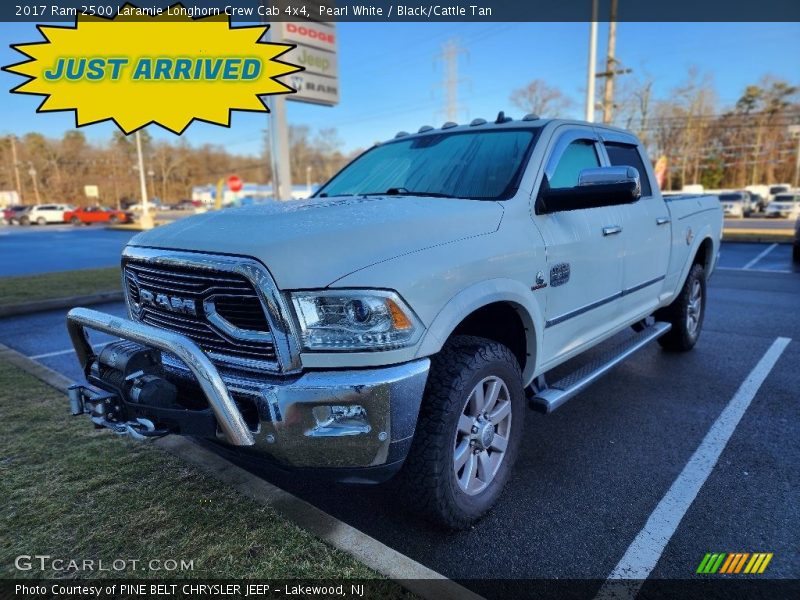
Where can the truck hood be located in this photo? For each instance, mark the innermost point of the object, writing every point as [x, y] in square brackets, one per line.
[310, 244]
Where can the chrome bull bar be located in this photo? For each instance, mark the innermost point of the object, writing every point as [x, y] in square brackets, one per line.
[228, 416]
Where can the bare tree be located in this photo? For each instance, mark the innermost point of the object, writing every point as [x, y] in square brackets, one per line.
[540, 98]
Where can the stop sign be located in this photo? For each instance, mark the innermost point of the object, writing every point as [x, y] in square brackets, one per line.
[234, 183]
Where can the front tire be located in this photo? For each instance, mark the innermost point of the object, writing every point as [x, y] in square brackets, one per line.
[468, 432]
[41, 221]
[686, 313]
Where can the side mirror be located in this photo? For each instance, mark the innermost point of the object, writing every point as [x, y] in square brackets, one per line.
[599, 186]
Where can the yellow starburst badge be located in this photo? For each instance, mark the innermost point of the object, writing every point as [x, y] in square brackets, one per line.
[168, 69]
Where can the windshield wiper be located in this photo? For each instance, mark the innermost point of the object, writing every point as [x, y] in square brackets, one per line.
[400, 191]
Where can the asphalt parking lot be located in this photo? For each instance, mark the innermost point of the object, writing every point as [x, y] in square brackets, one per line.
[44, 249]
[592, 477]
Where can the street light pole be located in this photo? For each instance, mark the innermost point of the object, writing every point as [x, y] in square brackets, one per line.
[590, 79]
[146, 220]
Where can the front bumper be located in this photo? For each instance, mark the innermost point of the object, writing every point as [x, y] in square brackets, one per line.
[379, 405]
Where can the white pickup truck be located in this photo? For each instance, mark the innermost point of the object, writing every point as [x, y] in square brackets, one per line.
[408, 313]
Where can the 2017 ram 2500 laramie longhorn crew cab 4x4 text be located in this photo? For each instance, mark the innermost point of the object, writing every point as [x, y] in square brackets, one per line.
[406, 315]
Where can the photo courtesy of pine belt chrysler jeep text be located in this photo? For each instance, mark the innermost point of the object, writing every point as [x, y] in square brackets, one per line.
[400, 320]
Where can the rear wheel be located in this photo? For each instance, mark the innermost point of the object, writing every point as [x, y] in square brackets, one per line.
[468, 432]
[75, 221]
[685, 313]
[24, 221]
[114, 219]
[41, 221]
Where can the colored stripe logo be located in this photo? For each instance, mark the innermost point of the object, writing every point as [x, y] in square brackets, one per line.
[731, 563]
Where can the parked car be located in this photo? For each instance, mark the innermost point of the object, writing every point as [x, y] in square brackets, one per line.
[42, 214]
[736, 204]
[777, 188]
[784, 206]
[187, 205]
[97, 214]
[757, 202]
[796, 245]
[405, 317]
[11, 214]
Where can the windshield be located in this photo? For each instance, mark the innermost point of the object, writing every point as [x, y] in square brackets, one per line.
[480, 165]
[731, 197]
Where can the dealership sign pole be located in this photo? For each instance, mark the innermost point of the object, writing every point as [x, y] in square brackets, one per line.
[318, 83]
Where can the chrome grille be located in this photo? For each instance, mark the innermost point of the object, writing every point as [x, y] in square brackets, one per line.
[235, 300]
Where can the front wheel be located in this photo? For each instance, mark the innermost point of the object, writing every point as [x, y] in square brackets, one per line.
[468, 432]
[686, 313]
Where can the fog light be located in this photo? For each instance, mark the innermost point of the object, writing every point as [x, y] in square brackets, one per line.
[339, 420]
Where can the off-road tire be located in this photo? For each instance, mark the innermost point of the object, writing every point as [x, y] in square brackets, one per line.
[428, 473]
[681, 338]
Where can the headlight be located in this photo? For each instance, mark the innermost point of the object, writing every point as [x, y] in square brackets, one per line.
[354, 320]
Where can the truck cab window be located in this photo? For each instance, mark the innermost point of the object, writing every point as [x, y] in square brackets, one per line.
[579, 155]
[628, 156]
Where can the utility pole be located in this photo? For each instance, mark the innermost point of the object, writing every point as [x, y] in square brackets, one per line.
[611, 66]
[592, 64]
[32, 173]
[16, 166]
[449, 55]
[794, 130]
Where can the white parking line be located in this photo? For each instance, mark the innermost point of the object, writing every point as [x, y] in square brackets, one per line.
[754, 270]
[760, 256]
[60, 352]
[646, 549]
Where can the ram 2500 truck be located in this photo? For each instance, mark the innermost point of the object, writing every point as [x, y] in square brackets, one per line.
[405, 317]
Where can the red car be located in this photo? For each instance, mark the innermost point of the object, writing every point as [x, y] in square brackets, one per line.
[96, 214]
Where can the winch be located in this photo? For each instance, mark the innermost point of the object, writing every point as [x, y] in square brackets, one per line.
[129, 393]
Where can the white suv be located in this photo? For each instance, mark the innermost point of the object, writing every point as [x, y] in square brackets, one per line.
[45, 213]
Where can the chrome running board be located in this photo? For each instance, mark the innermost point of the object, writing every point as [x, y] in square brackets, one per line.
[551, 397]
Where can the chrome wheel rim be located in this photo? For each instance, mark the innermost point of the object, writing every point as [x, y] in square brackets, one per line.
[694, 308]
[482, 435]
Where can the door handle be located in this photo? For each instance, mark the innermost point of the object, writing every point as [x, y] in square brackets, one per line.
[662, 220]
[612, 229]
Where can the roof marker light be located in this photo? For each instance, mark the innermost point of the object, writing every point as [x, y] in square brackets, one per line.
[400, 134]
[475, 122]
[449, 124]
[530, 117]
[424, 128]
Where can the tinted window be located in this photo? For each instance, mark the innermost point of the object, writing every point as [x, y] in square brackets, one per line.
[625, 155]
[731, 197]
[579, 155]
[473, 165]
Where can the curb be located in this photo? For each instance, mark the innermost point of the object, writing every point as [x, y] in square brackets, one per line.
[408, 573]
[54, 303]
